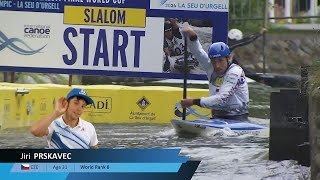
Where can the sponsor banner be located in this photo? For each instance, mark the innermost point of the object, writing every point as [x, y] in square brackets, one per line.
[116, 37]
[190, 5]
[19, 110]
[112, 104]
[41, 40]
[137, 104]
[13, 109]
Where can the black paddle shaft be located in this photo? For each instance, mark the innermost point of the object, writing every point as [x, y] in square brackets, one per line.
[185, 68]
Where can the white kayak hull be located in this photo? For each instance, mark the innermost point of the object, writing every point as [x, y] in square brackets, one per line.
[202, 127]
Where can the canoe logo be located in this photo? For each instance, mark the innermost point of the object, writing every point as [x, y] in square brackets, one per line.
[143, 103]
[17, 45]
[36, 31]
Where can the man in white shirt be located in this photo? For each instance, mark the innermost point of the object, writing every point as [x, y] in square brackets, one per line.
[64, 128]
[229, 94]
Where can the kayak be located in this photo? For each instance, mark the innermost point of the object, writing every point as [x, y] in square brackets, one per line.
[202, 127]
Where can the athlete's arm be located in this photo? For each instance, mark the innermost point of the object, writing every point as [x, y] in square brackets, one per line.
[176, 33]
[197, 50]
[166, 48]
[40, 128]
[166, 51]
[175, 28]
[94, 139]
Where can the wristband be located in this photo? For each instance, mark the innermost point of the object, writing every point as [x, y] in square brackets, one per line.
[196, 102]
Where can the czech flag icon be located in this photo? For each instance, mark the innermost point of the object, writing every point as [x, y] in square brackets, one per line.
[25, 167]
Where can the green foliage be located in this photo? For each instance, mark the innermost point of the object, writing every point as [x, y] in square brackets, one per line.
[246, 26]
[314, 75]
[246, 9]
[244, 12]
[248, 16]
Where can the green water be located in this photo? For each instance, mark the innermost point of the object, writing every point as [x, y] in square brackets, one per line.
[259, 95]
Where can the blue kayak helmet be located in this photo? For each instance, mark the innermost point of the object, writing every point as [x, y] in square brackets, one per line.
[218, 49]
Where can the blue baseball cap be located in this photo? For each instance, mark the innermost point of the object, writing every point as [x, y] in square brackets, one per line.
[79, 93]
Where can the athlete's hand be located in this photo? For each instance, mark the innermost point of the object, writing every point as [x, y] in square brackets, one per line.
[61, 106]
[173, 20]
[186, 102]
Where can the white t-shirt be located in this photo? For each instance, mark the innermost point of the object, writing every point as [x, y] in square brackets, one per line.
[62, 136]
[229, 94]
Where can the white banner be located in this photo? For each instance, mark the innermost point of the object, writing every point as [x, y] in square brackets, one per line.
[41, 40]
[191, 5]
[116, 38]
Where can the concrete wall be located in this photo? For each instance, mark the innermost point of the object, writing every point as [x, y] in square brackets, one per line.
[314, 129]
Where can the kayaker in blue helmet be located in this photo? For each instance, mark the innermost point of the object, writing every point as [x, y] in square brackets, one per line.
[229, 94]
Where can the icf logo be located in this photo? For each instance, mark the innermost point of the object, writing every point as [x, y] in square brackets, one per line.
[162, 2]
[36, 31]
[17, 45]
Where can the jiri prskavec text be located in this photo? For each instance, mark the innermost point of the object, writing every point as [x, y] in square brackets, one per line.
[46, 156]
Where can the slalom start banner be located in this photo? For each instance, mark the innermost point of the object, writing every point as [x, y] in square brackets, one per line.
[103, 37]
